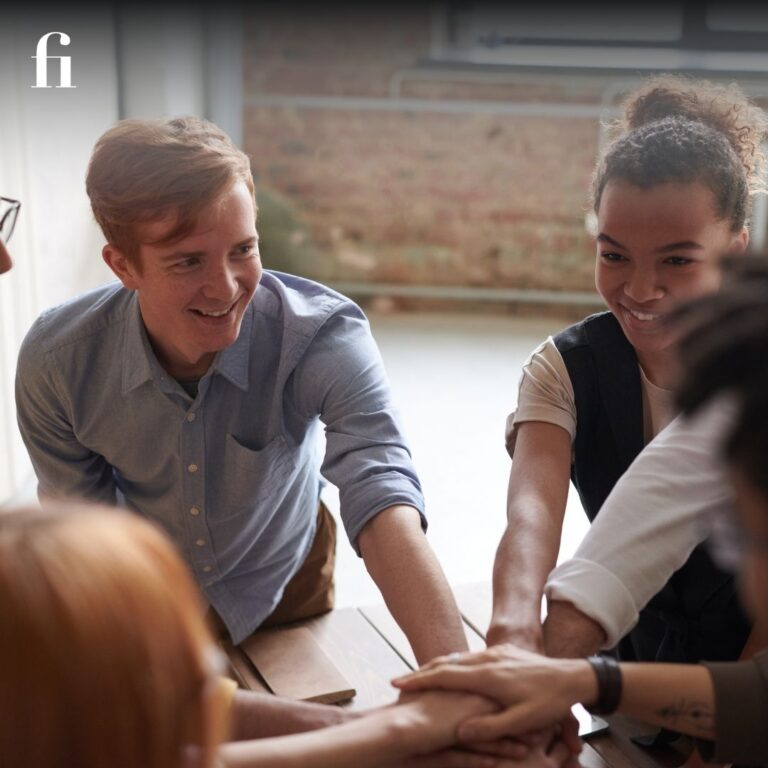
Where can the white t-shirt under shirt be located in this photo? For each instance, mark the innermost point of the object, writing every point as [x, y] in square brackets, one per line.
[546, 394]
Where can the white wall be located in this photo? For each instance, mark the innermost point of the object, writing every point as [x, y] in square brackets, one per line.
[134, 62]
[46, 136]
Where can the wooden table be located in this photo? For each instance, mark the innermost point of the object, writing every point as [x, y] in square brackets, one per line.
[369, 649]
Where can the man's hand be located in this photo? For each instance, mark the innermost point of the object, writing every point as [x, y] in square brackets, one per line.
[569, 633]
[529, 636]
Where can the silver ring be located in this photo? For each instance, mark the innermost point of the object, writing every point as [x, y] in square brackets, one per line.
[454, 657]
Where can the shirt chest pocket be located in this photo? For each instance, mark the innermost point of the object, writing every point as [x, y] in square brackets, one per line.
[257, 480]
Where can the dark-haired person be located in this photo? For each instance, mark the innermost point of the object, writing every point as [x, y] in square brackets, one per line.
[724, 705]
[671, 195]
[193, 391]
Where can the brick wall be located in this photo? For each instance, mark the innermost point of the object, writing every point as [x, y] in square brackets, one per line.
[356, 182]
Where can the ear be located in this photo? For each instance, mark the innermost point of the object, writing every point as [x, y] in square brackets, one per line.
[124, 269]
[740, 242]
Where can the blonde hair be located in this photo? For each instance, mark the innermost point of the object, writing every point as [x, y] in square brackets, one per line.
[676, 129]
[105, 653]
[143, 170]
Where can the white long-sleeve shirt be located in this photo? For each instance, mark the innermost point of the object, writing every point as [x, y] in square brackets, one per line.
[658, 512]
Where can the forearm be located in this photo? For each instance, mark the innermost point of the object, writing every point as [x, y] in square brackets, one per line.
[525, 556]
[569, 633]
[536, 498]
[420, 725]
[414, 587]
[366, 742]
[675, 696]
[258, 715]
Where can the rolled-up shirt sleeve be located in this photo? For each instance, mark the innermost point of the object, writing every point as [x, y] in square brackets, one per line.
[342, 379]
[657, 513]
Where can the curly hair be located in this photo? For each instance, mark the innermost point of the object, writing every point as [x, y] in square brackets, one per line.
[675, 129]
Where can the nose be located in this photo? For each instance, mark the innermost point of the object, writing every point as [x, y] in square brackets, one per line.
[643, 286]
[5, 258]
[221, 282]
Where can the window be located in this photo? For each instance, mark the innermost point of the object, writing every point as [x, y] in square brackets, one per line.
[715, 36]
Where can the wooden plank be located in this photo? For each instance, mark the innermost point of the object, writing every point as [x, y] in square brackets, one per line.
[384, 623]
[242, 670]
[616, 748]
[590, 758]
[475, 604]
[292, 663]
[361, 654]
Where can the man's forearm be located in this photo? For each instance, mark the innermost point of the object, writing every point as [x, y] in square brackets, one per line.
[259, 715]
[569, 633]
[414, 587]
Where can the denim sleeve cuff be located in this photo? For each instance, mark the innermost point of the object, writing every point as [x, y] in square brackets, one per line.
[356, 518]
[597, 593]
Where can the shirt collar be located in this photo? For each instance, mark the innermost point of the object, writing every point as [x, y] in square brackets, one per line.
[136, 350]
[233, 363]
[138, 357]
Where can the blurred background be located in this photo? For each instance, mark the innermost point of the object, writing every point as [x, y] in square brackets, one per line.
[430, 160]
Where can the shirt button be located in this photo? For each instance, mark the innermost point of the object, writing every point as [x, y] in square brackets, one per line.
[200, 542]
[194, 511]
[207, 569]
[192, 467]
[191, 416]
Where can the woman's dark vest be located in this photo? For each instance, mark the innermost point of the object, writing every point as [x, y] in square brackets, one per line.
[697, 614]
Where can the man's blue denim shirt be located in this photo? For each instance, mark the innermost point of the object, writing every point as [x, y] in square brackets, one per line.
[233, 475]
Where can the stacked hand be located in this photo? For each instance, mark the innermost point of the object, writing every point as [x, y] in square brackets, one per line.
[430, 720]
[535, 691]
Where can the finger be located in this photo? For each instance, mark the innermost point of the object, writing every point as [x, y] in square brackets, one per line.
[511, 748]
[447, 677]
[560, 755]
[533, 738]
[463, 659]
[508, 722]
[570, 734]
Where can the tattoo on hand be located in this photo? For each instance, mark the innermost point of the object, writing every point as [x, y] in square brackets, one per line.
[694, 714]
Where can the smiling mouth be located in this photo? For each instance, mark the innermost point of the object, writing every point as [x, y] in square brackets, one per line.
[215, 313]
[645, 317]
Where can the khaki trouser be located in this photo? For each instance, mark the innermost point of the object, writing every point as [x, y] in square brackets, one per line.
[311, 589]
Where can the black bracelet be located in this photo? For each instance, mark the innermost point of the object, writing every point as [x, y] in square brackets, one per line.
[608, 674]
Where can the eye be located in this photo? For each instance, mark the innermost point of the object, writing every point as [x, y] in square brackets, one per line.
[678, 261]
[246, 250]
[612, 257]
[192, 261]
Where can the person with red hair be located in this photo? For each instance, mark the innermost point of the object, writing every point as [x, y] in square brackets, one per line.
[108, 661]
